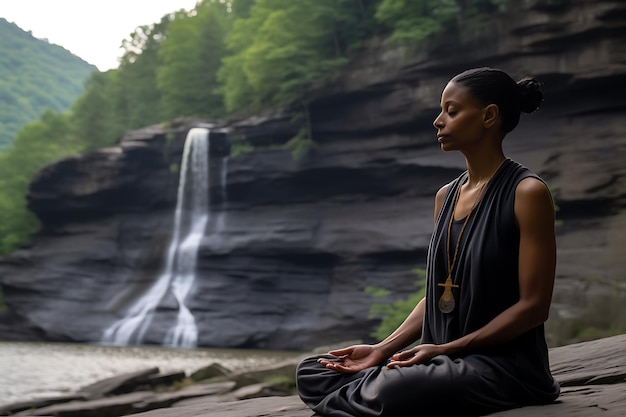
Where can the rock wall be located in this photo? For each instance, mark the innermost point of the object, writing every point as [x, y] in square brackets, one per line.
[301, 240]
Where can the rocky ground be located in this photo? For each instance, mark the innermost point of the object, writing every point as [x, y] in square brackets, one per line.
[592, 376]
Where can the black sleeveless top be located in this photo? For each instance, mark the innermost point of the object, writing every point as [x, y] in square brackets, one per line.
[486, 271]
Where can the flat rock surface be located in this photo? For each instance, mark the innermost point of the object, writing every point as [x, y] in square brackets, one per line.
[592, 377]
[289, 406]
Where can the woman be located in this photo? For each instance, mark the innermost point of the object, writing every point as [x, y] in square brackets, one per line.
[490, 275]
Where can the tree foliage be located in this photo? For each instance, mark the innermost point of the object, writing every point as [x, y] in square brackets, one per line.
[31, 151]
[414, 20]
[190, 58]
[282, 47]
[138, 98]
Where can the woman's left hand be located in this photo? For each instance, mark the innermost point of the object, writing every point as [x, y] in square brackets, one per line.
[415, 355]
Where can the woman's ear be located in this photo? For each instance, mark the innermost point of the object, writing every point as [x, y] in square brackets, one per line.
[490, 115]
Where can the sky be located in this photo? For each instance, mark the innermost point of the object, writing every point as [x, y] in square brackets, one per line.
[90, 29]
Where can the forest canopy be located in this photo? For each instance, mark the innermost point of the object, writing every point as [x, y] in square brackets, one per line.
[223, 58]
[34, 76]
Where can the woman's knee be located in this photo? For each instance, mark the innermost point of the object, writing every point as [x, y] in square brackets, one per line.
[307, 373]
[308, 365]
[397, 389]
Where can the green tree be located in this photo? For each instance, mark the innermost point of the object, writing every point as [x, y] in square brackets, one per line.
[241, 8]
[190, 58]
[37, 145]
[283, 47]
[96, 117]
[137, 75]
[414, 20]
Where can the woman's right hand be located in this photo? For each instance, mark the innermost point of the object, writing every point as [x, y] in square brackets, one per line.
[353, 359]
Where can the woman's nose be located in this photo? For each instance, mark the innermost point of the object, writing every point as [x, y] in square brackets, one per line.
[437, 122]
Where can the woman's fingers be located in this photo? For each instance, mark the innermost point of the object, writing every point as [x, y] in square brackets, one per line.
[341, 366]
[404, 355]
[406, 358]
[337, 359]
[341, 352]
[419, 354]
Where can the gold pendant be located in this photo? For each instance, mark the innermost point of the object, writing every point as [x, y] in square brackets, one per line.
[447, 302]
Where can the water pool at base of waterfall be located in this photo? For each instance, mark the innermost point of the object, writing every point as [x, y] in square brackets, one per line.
[31, 370]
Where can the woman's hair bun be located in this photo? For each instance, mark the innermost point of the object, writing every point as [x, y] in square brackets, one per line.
[531, 94]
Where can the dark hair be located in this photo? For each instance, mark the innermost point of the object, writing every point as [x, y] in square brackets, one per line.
[494, 86]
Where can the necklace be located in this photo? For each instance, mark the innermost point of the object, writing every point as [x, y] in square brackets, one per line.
[446, 302]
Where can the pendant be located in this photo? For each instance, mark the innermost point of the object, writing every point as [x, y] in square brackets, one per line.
[447, 302]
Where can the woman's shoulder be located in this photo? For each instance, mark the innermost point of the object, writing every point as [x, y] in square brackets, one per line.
[532, 190]
[521, 171]
[526, 180]
[444, 190]
[440, 197]
[441, 193]
[518, 178]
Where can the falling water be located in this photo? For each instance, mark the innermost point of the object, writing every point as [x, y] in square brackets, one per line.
[190, 220]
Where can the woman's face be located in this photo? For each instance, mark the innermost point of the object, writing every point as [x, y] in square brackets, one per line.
[460, 123]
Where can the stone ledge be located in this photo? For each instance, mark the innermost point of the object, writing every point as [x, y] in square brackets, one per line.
[592, 376]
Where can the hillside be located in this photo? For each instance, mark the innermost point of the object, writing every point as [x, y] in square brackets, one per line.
[34, 75]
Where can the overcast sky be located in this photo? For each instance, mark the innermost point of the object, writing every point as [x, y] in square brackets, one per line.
[91, 29]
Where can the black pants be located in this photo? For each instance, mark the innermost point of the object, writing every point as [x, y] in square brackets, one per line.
[442, 387]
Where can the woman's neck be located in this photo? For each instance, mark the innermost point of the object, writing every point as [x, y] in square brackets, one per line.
[482, 166]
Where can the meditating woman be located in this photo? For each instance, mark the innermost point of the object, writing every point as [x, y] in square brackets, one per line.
[490, 276]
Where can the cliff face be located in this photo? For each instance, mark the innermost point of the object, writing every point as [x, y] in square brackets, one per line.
[286, 258]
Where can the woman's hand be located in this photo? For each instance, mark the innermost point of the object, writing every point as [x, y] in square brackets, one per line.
[353, 358]
[418, 354]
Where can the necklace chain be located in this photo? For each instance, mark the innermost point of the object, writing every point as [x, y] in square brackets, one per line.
[447, 302]
[452, 262]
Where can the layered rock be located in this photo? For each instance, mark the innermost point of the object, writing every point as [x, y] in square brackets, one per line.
[301, 239]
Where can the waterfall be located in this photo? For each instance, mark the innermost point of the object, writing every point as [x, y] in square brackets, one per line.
[178, 276]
